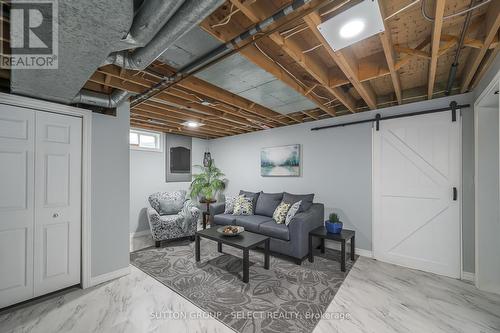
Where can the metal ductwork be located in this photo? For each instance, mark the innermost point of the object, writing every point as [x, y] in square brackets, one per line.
[101, 100]
[150, 18]
[190, 14]
[88, 32]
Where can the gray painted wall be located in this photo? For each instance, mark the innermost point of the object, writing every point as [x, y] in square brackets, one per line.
[110, 191]
[336, 166]
[147, 175]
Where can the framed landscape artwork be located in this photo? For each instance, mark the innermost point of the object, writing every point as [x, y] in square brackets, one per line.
[282, 161]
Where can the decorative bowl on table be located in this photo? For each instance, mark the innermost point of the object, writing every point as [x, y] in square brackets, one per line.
[230, 230]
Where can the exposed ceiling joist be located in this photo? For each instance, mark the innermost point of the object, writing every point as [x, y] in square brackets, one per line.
[492, 24]
[435, 41]
[346, 61]
[390, 56]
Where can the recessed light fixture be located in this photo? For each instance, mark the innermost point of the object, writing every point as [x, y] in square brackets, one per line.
[353, 25]
[206, 103]
[352, 29]
[192, 124]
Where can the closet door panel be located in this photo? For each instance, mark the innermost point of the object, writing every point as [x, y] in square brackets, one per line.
[57, 202]
[16, 204]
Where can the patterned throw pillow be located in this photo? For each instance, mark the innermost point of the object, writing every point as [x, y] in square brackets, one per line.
[229, 207]
[291, 212]
[243, 206]
[280, 212]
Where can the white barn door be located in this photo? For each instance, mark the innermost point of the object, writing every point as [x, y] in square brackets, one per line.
[416, 193]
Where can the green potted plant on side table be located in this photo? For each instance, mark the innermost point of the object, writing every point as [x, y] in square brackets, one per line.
[206, 185]
[333, 225]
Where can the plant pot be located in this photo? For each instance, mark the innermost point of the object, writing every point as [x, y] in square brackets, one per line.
[333, 227]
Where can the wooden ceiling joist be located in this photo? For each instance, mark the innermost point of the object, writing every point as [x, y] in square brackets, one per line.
[492, 24]
[345, 60]
[188, 115]
[390, 55]
[255, 55]
[306, 62]
[435, 41]
[195, 84]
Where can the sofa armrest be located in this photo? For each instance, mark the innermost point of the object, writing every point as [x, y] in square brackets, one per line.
[300, 226]
[217, 208]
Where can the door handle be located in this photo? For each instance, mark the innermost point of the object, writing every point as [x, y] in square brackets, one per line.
[455, 194]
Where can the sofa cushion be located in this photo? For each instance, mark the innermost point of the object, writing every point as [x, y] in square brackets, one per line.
[253, 195]
[251, 222]
[274, 230]
[224, 219]
[267, 203]
[307, 200]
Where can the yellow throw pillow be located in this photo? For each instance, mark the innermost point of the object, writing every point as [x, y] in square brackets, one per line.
[280, 212]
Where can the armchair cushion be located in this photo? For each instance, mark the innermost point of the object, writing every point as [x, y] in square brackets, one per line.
[170, 206]
[154, 199]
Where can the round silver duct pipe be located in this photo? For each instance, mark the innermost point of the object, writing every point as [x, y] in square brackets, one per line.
[190, 14]
[150, 18]
[102, 100]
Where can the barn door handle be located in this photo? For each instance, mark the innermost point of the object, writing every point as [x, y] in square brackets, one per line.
[455, 194]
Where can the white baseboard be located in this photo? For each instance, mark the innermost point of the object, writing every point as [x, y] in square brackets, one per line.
[468, 276]
[95, 280]
[336, 246]
[140, 233]
[136, 244]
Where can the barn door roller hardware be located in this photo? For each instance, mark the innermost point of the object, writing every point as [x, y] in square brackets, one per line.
[378, 118]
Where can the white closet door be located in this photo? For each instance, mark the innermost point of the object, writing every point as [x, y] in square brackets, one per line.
[16, 204]
[416, 165]
[57, 202]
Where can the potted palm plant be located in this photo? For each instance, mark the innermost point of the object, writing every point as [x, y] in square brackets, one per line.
[207, 183]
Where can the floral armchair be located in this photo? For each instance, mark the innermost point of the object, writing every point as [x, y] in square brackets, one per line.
[181, 224]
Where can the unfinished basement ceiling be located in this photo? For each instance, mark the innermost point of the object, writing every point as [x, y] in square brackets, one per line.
[239, 76]
[292, 75]
[190, 47]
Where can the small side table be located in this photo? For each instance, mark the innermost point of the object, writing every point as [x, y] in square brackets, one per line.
[206, 214]
[345, 235]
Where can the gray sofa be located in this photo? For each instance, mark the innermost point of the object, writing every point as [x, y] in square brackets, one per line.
[291, 240]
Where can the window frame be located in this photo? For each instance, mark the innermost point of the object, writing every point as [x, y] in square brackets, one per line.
[158, 138]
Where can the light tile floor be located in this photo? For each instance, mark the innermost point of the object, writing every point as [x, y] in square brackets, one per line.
[377, 297]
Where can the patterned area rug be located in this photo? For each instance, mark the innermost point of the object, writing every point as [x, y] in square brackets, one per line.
[285, 298]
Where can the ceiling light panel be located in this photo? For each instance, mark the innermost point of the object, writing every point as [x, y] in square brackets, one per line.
[353, 25]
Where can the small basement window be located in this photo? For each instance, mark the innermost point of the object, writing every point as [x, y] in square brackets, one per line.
[145, 140]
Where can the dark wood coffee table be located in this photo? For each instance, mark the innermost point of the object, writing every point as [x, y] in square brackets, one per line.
[344, 236]
[244, 241]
